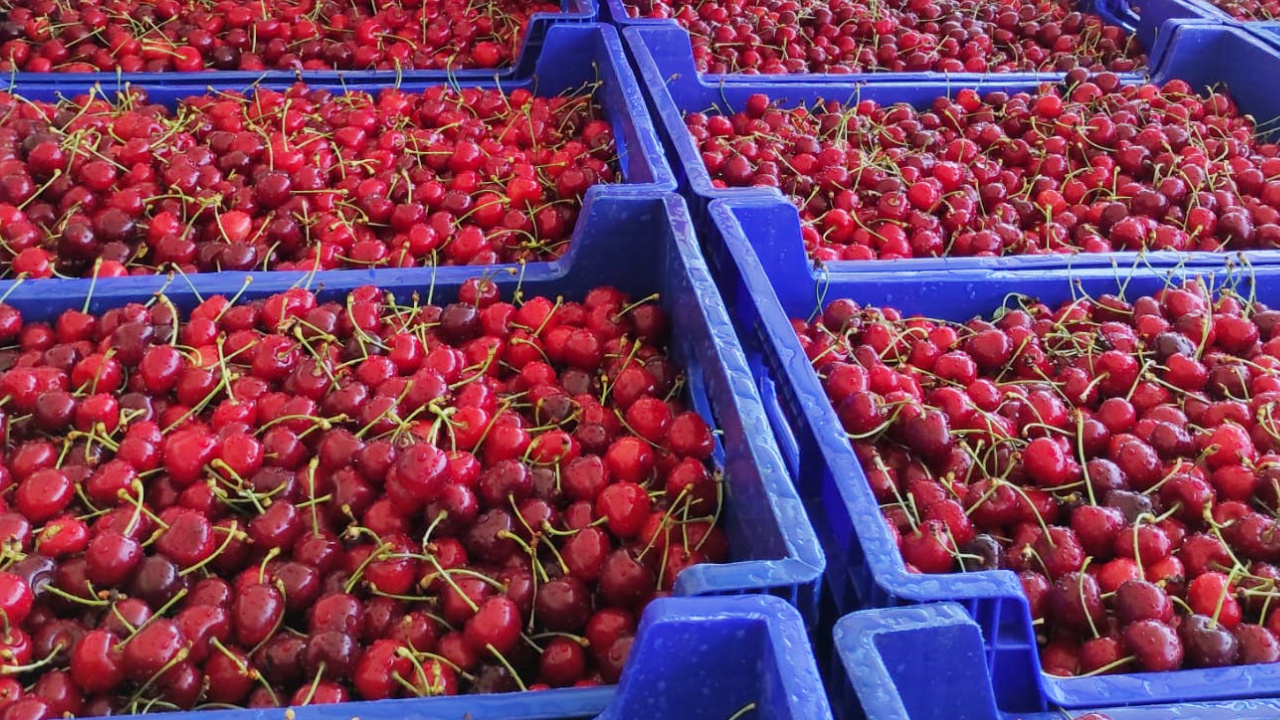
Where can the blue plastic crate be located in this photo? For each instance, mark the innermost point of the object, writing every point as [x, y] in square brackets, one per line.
[880, 674]
[615, 11]
[1198, 52]
[712, 658]
[574, 56]
[1148, 18]
[1149, 15]
[642, 244]
[531, 49]
[864, 567]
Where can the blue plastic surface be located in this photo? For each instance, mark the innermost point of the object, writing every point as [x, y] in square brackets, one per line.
[1146, 15]
[614, 11]
[1201, 53]
[880, 674]
[1150, 14]
[530, 51]
[641, 244]
[865, 568]
[1268, 29]
[574, 56]
[1148, 18]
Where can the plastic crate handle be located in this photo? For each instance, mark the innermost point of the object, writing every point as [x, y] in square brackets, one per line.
[880, 663]
[787, 443]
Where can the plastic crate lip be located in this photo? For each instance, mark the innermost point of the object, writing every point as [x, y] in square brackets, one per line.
[1268, 31]
[688, 165]
[572, 11]
[782, 617]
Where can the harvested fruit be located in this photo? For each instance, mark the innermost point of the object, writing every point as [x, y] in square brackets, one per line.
[1266, 10]
[299, 179]
[193, 35]
[1122, 456]
[1090, 165]
[292, 501]
[854, 36]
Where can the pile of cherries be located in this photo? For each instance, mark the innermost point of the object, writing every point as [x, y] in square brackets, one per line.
[193, 35]
[297, 179]
[852, 36]
[290, 501]
[1090, 165]
[1123, 457]
[1239, 9]
[1250, 9]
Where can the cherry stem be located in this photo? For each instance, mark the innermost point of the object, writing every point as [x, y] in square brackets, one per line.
[372, 557]
[1222, 598]
[507, 665]
[311, 692]
[177, 659]
[444, 575]
[233, 533]
[19, 669]
[1109, 666]
[51, 588]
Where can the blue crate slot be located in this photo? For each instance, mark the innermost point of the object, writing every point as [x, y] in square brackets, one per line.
[615, 11]
[532, 46]
[880, 674]
[1199, 52]
[577, 55]
[865, 568]
[640, 243]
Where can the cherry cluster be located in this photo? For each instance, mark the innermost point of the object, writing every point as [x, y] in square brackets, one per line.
[853, 36]
[193, 35]
[1250, 9]
[298, 179]
[1239, 9]
[1091, 165]
[1122, 457]
[289, 501]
